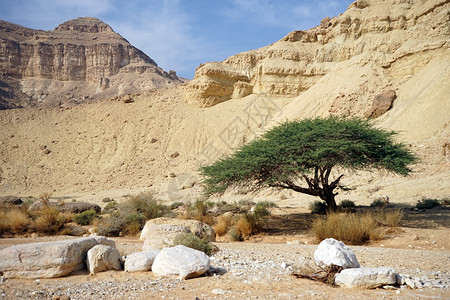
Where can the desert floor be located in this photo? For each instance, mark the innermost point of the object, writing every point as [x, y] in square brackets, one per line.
[260, 268]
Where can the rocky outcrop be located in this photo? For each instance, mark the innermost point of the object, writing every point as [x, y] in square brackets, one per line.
[48, 259]
[83, 50]
[370, 31]
[381, 104]
[198, 228]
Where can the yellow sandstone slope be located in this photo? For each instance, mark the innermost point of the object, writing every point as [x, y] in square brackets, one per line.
[111, 148]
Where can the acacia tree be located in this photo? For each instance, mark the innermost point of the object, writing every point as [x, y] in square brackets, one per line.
[301, 155]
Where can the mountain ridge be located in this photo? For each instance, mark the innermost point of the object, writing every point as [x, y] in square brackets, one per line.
[81, 59]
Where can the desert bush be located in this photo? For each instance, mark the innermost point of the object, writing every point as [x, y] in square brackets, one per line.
[378, 203]
[85, 218]
[390, 218]
[17, 220]
[353, 229]
[107, 199]
[427, 203]
[318, 207]
[110, 207]
[112, 225]
[246, 225]
[175, 205]
[145, 204]
[49, 220]
[131, 215]
[267, 204]
[134, 222]
[235, 234]
[222, 225]
[45, 197]
[190, 240]
[198, 211]
[347, 204]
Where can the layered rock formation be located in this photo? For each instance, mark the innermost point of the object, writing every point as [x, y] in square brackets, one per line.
[81, 59]
[398, 76]
[378, 33]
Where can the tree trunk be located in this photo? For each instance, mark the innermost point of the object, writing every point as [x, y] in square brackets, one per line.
[328, 197]
[331, 203]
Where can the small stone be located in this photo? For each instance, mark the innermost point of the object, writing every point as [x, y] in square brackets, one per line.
[218, 291]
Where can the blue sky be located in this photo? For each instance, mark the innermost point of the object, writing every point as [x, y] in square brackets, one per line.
[180, 35]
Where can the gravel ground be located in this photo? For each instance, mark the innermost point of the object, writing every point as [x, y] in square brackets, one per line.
[244, 271]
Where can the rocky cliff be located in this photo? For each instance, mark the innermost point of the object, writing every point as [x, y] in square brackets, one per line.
[388, 60]
[81, 59]
[382, 33]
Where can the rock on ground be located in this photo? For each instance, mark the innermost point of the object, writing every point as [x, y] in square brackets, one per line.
[368, 278]
[200, 229]
[48, 259]
[161, 235]
[103, 258]
[140, 261]
[180, 261]
[333, 252]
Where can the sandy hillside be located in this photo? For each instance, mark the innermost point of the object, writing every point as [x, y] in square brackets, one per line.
[112, 148]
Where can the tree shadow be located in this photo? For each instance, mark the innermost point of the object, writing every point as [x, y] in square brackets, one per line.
[300, 223]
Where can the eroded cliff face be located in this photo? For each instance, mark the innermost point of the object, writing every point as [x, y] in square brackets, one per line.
[83, 50]
[371, 31]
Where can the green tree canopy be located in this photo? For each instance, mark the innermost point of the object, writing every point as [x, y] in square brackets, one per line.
[300, 156]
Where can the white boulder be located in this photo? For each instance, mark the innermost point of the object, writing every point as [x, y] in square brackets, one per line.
[162, 235]
[103, 258]
[200, 229]
[333, 252]
[180, 261]
[140, 261]
[47, 259]
[368, 278]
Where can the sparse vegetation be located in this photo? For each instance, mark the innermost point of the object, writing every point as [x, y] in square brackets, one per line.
[389, 218]
[222, 224]
[110, 207]
[190, 240]
[347, 204]
[130, 216]
[235, 235]
[427, 203]
[85, 218]
[15, 221]
[49, 220]
[318, 207]
[378, 203]
[353, 229]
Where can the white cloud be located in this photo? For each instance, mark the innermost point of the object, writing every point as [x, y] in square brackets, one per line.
[166, 34]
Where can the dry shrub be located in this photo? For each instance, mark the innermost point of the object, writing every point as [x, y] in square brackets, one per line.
[49, 220]
[222, 225]
[198, 211]
[244, 226]
[17, 221]
[190, 240]
[45, 197]
[3, 224]
[389, 218]
[353, 229]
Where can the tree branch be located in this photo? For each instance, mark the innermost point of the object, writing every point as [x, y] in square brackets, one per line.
[334, 184]
[290, 185]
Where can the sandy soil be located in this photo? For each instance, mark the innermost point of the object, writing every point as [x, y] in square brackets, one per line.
[260, 268]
